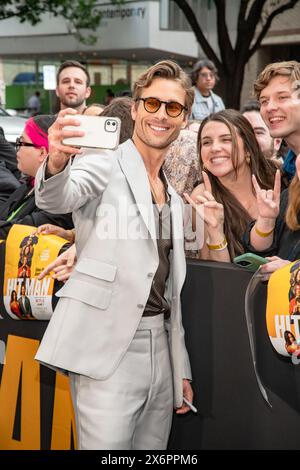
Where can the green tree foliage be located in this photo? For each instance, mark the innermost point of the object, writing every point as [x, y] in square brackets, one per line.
[83, 16]
[253, 22]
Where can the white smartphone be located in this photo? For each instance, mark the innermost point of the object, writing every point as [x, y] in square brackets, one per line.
[100, 132]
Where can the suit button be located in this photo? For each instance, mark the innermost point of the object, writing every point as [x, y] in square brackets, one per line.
[140, 306]
[150, 275]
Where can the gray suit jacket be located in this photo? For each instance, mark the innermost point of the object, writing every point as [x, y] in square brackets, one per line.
[102, 303]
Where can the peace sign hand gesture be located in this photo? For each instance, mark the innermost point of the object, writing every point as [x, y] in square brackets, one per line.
[268, 200]
[210, 211]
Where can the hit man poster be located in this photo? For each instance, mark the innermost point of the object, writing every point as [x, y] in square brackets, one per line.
[283, 311]
[27, 254]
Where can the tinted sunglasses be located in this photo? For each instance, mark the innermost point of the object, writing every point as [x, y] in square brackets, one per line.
[152, 105]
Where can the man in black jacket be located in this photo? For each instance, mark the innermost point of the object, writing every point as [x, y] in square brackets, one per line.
[29, 214]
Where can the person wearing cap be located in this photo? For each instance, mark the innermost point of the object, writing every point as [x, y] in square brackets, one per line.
[204, 78]
[20, 207]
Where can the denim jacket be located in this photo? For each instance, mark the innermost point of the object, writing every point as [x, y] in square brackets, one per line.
[200, 109]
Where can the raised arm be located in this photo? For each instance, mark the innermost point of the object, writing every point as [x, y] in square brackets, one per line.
[63, 186]
[262, 233]
[211, 213]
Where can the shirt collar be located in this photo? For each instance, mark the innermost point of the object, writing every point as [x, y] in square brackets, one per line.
[202, 99]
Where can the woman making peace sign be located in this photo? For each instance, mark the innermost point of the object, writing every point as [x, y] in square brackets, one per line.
[229, 154]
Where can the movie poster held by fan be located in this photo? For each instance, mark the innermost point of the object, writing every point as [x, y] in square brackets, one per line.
[26, 255]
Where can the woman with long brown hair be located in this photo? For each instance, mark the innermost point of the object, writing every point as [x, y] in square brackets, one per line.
[229, 155]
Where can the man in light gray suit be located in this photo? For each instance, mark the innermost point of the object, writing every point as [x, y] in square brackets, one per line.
[117, 327]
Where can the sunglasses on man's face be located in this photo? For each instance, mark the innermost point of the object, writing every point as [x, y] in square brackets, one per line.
[152, 105]
[19, 143]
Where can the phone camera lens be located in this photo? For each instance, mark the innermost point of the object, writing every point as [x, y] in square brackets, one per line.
[244, 263]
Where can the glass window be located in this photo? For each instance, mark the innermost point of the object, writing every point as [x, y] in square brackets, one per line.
[177, 20]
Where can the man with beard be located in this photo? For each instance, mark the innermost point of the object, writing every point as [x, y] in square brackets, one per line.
[117, 328]
[73, 85]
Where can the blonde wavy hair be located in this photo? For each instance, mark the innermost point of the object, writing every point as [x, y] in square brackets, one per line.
[290, 69]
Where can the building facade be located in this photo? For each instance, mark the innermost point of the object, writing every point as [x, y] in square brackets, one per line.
[134, 35]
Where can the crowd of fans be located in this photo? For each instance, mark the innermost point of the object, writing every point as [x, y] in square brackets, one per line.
[238, 178]
[223, 164]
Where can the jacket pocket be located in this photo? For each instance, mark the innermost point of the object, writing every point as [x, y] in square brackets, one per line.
[96, 269]
[87, 293]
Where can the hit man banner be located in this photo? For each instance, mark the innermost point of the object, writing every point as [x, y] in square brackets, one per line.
[27, 254]
[283, 311]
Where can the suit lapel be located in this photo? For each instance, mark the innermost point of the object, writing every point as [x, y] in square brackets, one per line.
[135, 172]
[179, 262]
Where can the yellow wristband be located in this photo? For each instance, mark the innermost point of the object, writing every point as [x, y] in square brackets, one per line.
[263, 234]
[221, 246]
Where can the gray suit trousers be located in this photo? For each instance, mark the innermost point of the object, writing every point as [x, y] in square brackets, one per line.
[133, 408]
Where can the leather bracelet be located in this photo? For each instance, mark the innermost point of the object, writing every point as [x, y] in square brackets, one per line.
[263, 234]
[220, 246]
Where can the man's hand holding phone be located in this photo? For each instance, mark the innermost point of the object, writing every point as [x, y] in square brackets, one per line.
[59, 153]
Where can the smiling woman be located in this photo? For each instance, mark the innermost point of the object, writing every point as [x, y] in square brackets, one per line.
[229, 155]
